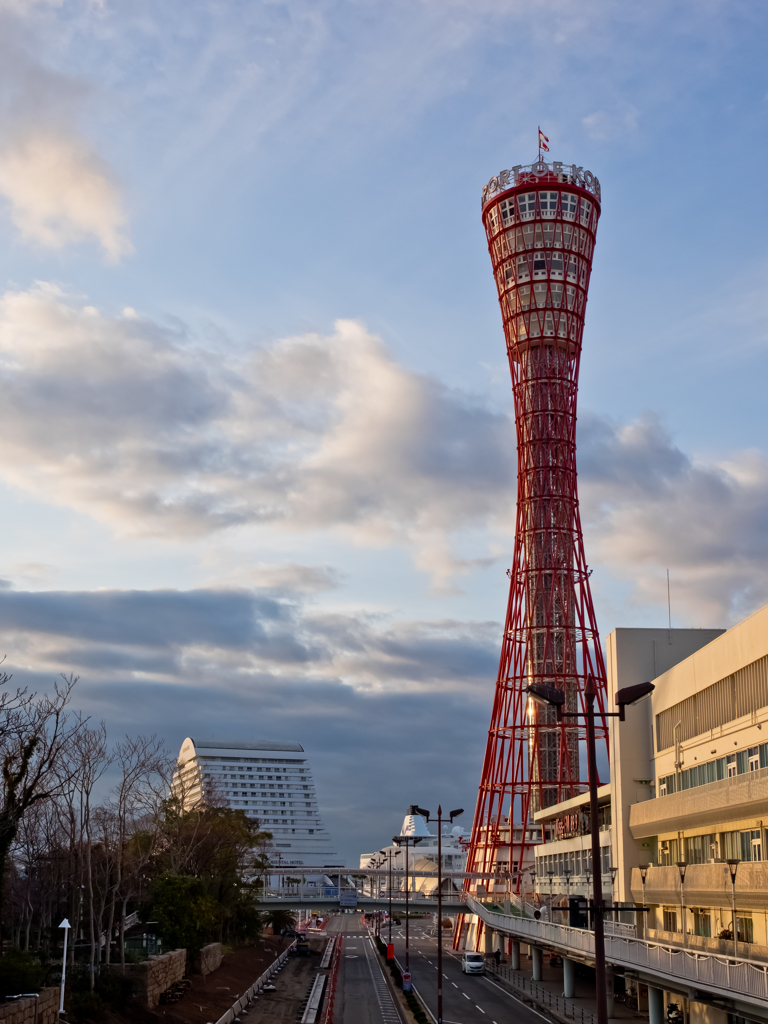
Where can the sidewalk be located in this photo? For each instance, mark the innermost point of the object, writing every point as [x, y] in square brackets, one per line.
[548, 992]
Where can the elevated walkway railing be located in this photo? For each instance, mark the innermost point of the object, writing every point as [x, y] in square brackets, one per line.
[727, 976]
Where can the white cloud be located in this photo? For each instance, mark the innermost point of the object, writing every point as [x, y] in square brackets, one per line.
[60, 192]
[135, 425]
[649, 506]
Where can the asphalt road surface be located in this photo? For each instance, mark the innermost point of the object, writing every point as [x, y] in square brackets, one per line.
[362, 995]
[467, 998]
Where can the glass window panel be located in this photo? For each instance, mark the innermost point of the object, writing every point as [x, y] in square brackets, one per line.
[754, 759]
[763, 755]
[742, 763]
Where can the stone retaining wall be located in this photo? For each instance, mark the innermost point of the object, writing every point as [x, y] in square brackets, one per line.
[208, 959]
[154, 976]
[42, 1010]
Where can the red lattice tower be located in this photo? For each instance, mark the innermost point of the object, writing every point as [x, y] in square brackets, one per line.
[541, 222]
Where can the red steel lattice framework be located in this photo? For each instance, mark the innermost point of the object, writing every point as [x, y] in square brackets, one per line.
[541, 222]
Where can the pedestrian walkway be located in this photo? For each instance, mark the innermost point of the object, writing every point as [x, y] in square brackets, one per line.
[548, 991]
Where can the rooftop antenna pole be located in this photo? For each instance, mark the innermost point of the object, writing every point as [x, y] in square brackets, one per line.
[669, 609]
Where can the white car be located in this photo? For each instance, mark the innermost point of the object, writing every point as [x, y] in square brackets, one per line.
[473, 963]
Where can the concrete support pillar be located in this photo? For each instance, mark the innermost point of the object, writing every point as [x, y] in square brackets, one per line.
[537, 961]
[569, 978]
[655, 1005]
[609, 990]
[515, 955]
[498, 942]
[488, 936]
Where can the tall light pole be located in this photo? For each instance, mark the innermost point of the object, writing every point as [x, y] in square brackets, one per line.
[681, 867]
[733, 867]
[407, 841]
[548, 694]
[66, 926]
[440, 819]
[389, 854]
[643, 876]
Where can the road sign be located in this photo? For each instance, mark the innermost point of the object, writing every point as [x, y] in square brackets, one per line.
[348, 898]
[407, 983]
[390, 951]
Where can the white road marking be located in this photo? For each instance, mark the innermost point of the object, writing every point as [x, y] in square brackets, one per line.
[479, 1008]
[465, 995]
[454, 984]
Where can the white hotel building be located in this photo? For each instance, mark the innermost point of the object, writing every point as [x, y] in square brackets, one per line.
[269, 781]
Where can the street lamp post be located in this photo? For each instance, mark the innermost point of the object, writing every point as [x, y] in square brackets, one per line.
[440, 819]
[388, 854]
[66, 926]
[643, 876]
[407, 841]
[733, 867]
[549, 694]
[681, 867]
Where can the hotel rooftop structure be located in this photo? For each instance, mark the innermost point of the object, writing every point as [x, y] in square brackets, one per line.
[269, 781]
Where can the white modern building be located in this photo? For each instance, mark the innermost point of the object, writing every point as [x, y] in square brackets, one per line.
[421, 858]
[269, 781]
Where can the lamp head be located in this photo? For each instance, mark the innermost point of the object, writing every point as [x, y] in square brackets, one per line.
[681, 866]
[543, 693]
[455, 814]
[631, 695]
[418, 810]
[643, 872]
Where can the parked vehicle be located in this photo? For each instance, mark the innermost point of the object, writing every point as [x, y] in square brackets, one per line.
[474, 963]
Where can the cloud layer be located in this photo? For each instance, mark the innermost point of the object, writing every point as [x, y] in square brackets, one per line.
[136, 425]
[141, 427]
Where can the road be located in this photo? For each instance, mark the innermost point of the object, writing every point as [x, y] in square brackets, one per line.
[467, 998]
[362, 993]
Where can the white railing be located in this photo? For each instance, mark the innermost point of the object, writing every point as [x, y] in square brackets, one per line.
[729, 975]
[626, 931]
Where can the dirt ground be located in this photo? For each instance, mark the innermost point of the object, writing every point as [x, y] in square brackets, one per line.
[208, 998]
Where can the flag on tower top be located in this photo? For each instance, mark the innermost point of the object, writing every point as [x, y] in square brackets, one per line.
[543, 140]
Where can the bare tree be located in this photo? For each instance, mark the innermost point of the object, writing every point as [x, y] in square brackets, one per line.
[34, 733]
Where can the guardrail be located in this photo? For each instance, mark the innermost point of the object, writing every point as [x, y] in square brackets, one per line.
[540, 995]
[312, 1008]
[247, 997]
[729, 975]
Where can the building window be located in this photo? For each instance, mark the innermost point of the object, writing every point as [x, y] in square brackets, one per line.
[730, 764]
[702, 923]
[557, 265]
[586, 212]
[568, 205]
[539, 265]
[527, 204]
[669, 852]
[507, 212]
[744, 930]
[754, 759]
[670, 920]
[548, 204]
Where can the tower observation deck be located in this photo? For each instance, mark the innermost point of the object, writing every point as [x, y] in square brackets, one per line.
[540, 221]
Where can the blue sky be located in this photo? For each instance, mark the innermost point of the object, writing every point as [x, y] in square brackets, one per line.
[258, 459]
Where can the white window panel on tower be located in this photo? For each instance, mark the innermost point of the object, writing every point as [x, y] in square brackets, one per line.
[568, 205]
[548, 204]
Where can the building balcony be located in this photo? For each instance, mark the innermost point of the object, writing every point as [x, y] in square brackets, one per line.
[742, 796]
[706, 885]
[724, 947]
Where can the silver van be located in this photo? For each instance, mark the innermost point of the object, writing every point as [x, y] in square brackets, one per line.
[473, 963]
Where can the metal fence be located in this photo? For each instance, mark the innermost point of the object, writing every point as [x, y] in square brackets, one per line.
[541, 996]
